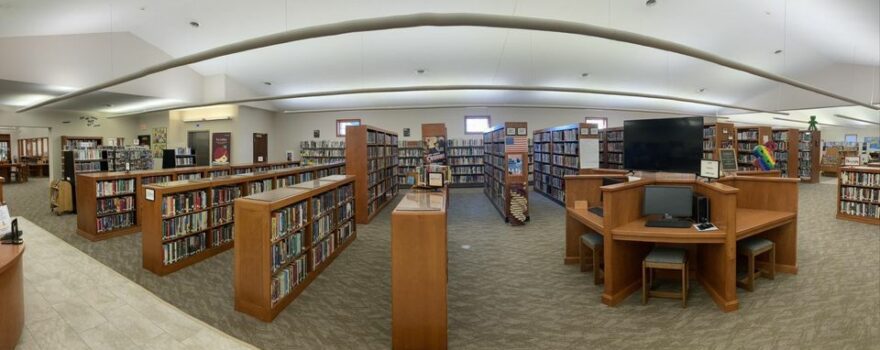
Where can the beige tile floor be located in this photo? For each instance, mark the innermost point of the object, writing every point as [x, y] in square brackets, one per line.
[74, 302]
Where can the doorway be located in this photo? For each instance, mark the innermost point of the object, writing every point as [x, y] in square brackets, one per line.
[200, 143]
[261, 147]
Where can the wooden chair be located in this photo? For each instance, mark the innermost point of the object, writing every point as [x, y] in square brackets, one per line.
[752, 247]
[594, 242]
[668, 259]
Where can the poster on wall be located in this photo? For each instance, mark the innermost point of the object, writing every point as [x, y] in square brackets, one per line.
[143, 140]
[872, 144]
[514, 164]
[221, 144]
[435, 149]
[160, 141]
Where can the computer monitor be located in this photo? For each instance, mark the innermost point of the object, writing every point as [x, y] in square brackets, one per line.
[668, 201]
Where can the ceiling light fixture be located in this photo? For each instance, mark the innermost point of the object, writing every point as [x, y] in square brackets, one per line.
[194, 24]
[650, 2]
[420, 71]
[267, 83]
[777, 52]
[701, 90]
[856, 119]
[584, 75]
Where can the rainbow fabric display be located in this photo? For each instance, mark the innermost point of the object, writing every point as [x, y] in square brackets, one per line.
[763, 158]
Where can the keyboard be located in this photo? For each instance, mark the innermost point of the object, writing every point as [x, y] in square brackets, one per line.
[668, 223]
[598, 211]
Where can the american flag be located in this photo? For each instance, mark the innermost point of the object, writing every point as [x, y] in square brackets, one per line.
[516, 144]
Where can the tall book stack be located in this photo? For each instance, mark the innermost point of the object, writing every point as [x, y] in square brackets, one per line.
[612, 155]
[322, 152]
[747, 138]
[858, 196]
[411, 155]
[808, 156]
[505, 168]
[115, 203]
[786, 153]
[286, 237]
[371, 155]
[557, 154]
[465, 158]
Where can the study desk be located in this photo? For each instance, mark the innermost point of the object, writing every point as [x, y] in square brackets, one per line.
[741, 207]
[11, 295]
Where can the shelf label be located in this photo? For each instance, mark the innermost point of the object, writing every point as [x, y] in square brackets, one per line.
[149, 194]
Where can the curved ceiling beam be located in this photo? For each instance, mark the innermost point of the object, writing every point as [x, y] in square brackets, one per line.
[454, 88]
[585, 108]
[445, 20]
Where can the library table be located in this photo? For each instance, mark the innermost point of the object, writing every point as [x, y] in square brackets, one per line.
[11, 295]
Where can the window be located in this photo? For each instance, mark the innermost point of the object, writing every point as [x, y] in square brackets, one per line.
[476, 124]
[602, 122]
[851, 138]
[341, 124]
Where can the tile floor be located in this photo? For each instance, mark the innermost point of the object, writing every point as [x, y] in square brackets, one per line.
[74, 302]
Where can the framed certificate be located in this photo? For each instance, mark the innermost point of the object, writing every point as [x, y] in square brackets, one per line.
[521, 131]
[511, 131]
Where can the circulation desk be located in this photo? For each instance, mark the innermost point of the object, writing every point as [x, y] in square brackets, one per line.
[740, 206]
[11, 295]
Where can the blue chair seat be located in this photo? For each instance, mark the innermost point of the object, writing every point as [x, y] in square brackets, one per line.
[667, 255]
[592, 240]
[754, 245]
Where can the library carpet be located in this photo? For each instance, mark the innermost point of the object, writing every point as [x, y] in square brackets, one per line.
[508, 288]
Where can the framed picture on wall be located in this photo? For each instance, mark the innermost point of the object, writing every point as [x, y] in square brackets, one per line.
[221, 144]
[143, 140]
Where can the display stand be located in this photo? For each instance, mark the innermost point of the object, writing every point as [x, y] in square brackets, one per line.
[505, 163]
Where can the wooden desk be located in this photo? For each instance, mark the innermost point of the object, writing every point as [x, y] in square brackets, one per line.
[6, 172]
[419, 271]
[741, 207]
[11, 295]
[38, 170]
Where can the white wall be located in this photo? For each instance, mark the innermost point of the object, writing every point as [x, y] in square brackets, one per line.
[295, 128]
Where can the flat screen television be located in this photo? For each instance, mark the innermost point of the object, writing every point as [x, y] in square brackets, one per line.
[671, 145]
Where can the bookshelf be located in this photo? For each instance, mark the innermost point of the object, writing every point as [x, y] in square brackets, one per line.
[107, 205]
[557, 154]
[322, 152]
[786, 153]
[808, 156]
[79, 154]
[371, 156]
[611, 148]
[507, 191]
[128, 158]
[94, 206]
[531, 162]
[410, 154]
[465, 158]
[858, 194]
[285, 238]
[746, 140]
[718, 136]
[180, 157]
[34, 153]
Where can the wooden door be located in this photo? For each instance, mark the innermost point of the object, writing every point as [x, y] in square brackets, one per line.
[261, 148]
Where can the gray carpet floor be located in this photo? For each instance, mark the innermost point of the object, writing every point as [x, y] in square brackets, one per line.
[508, 288]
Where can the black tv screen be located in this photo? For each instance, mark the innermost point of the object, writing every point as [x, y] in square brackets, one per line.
[671, 145]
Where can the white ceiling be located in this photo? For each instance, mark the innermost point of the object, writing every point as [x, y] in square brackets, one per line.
[811, 33]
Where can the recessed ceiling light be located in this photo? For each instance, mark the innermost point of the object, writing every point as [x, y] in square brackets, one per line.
[650, 2]
[195, 24]
[777, 52]
[421, 71]
[108, 105]
[701, 90]
[584, 75]
[267, 83]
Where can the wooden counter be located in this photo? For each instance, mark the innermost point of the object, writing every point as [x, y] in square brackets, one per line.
[11, 295]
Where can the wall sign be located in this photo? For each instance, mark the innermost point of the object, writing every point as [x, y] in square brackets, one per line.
[406, 132]
[728, 160]
[316, 133]
[221, 146]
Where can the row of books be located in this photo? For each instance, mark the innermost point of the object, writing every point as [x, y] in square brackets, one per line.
[224, 195]
[410, 144]
[183, 151]
[345, 231]
[344, 193]
[184, 225]
[287, 220]
[322, 152]
[87, 154]
[193, 176]
[464, 142]
[542, 137]
[541, 147]
[286, 249]
[322, 250]
[542, 157]
[744, 135]
[860, 209]
[185, 161]
[180, 203]
[322, 204]
[114, 187]
[321, 144]
[321, 227]
[378, 138]
[221, 235]
[709, 131]
[221, 215]
[708, 145]
[147, 180]
[614, 158]
[565, 148]
[745, 158]
[376, 177]
[105, 206]
[467, 170]
[181, 249]
[410, 161]
[409, 152]
[466, 161]
[288, 278]
[745, 146]
[566, 135]
[129, 158]
[380, 163]
[345, 211]
[860, 194]
[780, 136]
[72, 144]
[614, 147]
[614, 136]
[86, 167]
[259, 186]
[859, 179]
[467, 179]
[115, 222]
[457, 152]
[567, 161]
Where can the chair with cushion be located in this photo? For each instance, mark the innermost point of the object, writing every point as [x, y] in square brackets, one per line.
[594, 242]
[752, 247]
[668, 259]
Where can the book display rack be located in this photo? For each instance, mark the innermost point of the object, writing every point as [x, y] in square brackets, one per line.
[786, 153]
[557, 154]
[371, 156]
[465, 158]
[322, 152]
[808, 156]
[410, 155]
[858, 194]
[93, 207]
[285, 238]
[505, 158]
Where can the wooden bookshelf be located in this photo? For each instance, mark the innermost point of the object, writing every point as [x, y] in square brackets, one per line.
[746, 140]
[786, 153]
[178, 158]
[611, 148]
[557, 154]
[858, 194]
[410, 155]
[419, 271]
[320, 226]
[808, 156]
[104, 212]
[88, 202]
[531, 162]
[371, 156]
[718, 136]
[34, 154]
[507, 192]
[465, 158]
[322, 152]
